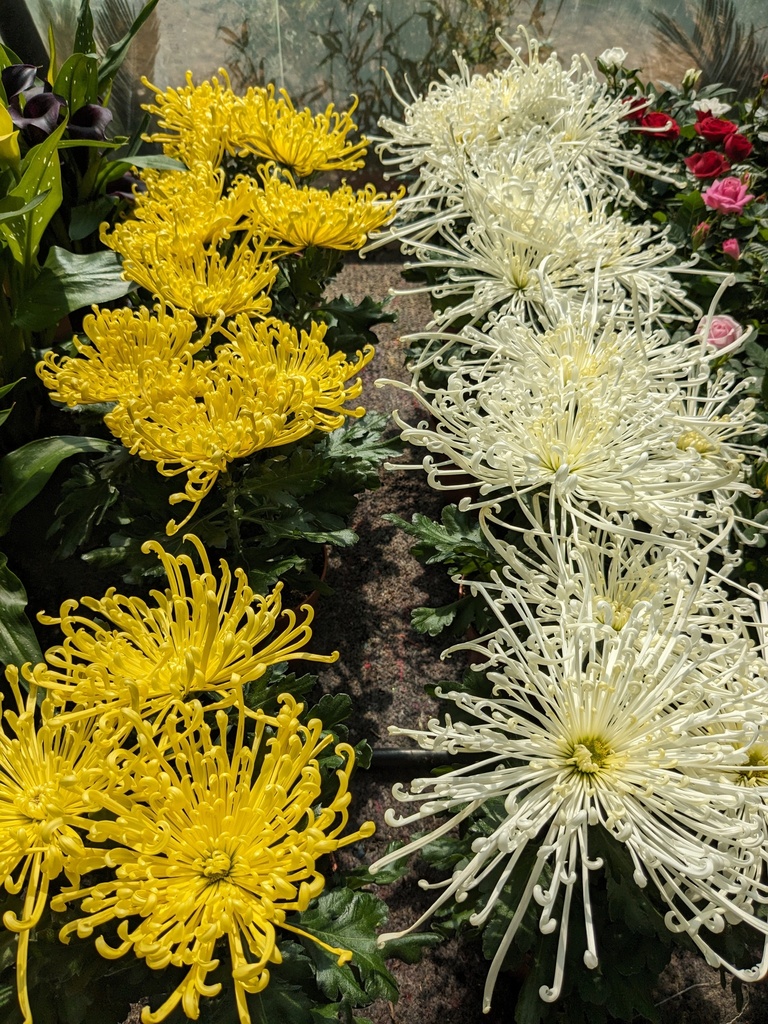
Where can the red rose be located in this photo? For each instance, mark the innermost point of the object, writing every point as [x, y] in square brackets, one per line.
[636, 106]
[707, 165]
[737, 147]
[714, 129]
[664, 126]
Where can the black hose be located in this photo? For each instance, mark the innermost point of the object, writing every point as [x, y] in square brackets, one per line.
[397, 759]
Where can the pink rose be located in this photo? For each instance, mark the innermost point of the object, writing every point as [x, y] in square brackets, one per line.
[723, 330]
[728, 195]
[731, 248]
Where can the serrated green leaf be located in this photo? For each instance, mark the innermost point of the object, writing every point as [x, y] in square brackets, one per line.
[332, 709]
[456, 540]
[18, 643]
[67, 282]
[434, 620]
[348, 919]
[25, 471]
[286, 997]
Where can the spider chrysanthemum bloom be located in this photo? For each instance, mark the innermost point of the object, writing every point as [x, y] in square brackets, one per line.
[527, 234]
[200, 635]
[272, 349]
[196, 119]
[271, 387]
[125, 344]
[184, 207]
[271, 128]
[530, 109]
[48, 778]
[300, 217]
[620, 732]
[202, 278]
[600, 443]
[571, 344]
[217, 846]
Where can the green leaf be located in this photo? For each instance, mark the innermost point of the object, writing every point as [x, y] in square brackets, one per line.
[347, 919]
[285, 998]
[70, 281]
[24, 472]
[85, 219]
[78, 81]
[434, 620]
[116, 53]
[157, 161]
[41, 172]
[410, 948]
[18, 643]
[14, 206]
[5, 413]
[332, 709]
[84, 41]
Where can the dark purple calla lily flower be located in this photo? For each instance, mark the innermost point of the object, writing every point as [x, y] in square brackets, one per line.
[123, 187]
[39, 117]
[18, 78]
[89, 122]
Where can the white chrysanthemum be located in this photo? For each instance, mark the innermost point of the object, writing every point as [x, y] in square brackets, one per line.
[531, 106]
[599, 446]
[531, 235]
[565, 571]
[570, 343]
[585, 731]
[709, 419]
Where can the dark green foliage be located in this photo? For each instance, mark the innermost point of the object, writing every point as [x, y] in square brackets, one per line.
[273, 512]
[457, 543]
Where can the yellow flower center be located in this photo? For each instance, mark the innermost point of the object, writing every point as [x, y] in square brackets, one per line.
[590, 755]
[216, 866]
[621, 613]
[756, 758]
[701, 444]
[35, 803]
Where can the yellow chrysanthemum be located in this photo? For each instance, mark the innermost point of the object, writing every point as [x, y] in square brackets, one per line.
[126, 345]
[185, 207]
[216, 846]
[207, 281]
[256, 351]
[306, 216]
[273, 129]
[196, 119]
[269, 388]
[48, 777]
[197, 637]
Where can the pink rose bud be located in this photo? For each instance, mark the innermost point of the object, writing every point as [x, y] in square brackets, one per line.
[723, 330]
[728, 195]
[699, 234]
[731, 248]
